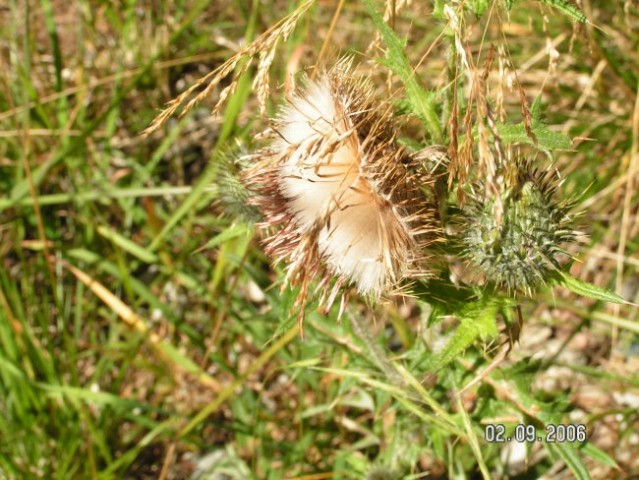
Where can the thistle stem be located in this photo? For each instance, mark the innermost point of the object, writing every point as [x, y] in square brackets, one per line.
[377, 354]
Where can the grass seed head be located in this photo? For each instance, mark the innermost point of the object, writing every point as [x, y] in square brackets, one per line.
[520, 252]
[345, 200]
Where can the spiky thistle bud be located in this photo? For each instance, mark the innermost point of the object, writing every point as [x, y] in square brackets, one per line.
[344, 198]
[520, 250]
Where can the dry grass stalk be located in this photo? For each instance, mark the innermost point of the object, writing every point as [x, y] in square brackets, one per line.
[264, 46]
[460, 161]
[344, 198]
[491, 158]
[391, 9]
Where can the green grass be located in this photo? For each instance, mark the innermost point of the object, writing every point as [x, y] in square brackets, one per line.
[127, 350]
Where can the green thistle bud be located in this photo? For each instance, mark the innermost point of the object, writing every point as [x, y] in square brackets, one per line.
[233, 196]
[516, 240]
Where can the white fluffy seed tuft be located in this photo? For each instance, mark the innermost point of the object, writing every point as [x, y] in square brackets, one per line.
[340, 189]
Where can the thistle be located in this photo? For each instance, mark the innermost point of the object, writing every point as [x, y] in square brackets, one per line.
[345, 201]
[521, 250]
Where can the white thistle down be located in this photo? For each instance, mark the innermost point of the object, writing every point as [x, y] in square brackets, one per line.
[344, 196]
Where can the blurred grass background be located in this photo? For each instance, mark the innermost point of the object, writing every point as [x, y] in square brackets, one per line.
[129, 351]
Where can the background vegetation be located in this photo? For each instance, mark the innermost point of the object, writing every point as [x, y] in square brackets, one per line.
[129, 351]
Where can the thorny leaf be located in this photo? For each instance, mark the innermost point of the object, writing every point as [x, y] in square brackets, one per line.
[422, 102]
[589, 290]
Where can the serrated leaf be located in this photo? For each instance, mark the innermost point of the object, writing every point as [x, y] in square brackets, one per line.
[478, 321]
[589, 290]
[567, 8]
[438, 9]
[444, 297]
[421, 102]
[535, 109]
[478, 7]
[546, 138]
[570, 455]
[288, 321]
[485, 313]
[523, 373]
[520, 376]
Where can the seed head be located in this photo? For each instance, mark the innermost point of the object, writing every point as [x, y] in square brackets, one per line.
[520, 251]
[345, 200]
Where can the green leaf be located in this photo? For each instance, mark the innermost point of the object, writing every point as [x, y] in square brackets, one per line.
[140, 288]
[94, 397]
[570, 455]
[467, 332]
[421, 102]
[589, 290]
[599, 455]
[567, 8]
[521, 375]
[127, 245]
[478, 320]
[306, 363]
[438, 9]
[478, 6]
[234, 231]
[288, 315]
[191, 204]
[546, 139]
[444, 297]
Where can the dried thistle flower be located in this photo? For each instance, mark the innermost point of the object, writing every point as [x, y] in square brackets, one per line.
[520, 252]
[345, 199]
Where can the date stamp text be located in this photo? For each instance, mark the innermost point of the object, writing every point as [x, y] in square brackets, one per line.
[570, 433]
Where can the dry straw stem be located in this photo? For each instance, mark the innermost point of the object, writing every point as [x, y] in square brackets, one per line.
[164, 350]
[391, 9]
[345, 200]
[491, 159]
[630, 190]
[264, 46]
